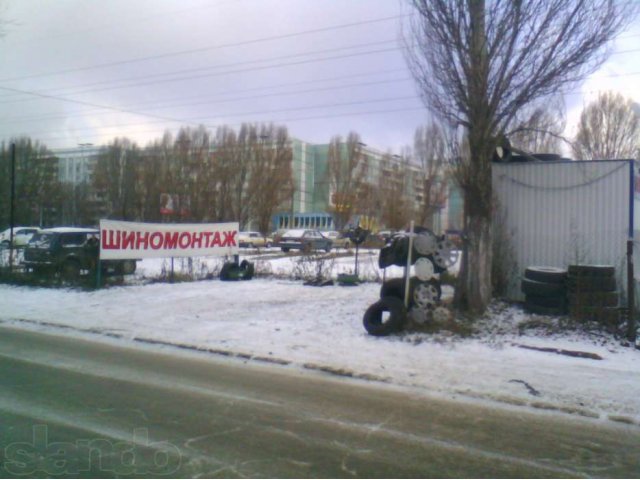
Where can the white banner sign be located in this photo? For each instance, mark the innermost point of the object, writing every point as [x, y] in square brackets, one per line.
[128, 240]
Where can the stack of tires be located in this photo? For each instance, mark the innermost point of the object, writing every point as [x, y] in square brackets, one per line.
[545, 290]
[593, 295]
[232, 271]
[389, 315]
[430, 255]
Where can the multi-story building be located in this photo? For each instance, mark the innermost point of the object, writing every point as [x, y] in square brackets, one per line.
[312, 203]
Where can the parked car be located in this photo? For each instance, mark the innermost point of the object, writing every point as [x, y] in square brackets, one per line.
[253, 239]
[21, 236]
[70, 252]
[305, 240]
[340, 240]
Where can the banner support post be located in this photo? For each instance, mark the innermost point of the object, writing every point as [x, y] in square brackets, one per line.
[98, 273]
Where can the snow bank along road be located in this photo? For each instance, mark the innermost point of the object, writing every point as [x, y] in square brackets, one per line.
[321, 328]
[72, 407]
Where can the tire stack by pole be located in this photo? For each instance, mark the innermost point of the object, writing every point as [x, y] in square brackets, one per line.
[430, 255]
[593, 294]
[545, 290]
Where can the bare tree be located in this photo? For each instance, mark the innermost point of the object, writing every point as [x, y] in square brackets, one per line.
[432, 152]
[38, 193]
[115, 176]
[347, 173]
[609, 128]
[542, 131]
[479, 64]
[270, 178]
[396, 208]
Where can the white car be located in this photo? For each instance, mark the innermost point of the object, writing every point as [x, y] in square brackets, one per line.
[338, 239]
[253, 240]
[21, 236]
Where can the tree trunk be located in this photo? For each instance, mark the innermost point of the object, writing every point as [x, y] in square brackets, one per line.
[473, 289]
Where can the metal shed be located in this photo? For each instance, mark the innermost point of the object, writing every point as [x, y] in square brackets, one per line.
[565, 212]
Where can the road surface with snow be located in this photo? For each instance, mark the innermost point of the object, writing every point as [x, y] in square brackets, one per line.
[77, 408]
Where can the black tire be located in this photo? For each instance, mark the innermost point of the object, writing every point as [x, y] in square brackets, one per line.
[327, 248]
[376, 325]
[400, 248]
[547, 301]
[591, 284]
[546, 274]
[540, 310]
[540, 289]
[70, 270]
[247, 270]
[386, 257]
[125, 267]
[285, 249]
[394, 287]
[609, 316]
[230, 271]
[594, 299]
[591, 271]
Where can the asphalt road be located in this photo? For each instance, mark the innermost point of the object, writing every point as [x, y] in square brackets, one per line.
[73, 408]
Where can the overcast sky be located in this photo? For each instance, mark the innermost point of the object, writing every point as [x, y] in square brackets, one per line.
[320, 67]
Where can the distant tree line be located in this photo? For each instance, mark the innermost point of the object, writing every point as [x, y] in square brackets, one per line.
[246, 175]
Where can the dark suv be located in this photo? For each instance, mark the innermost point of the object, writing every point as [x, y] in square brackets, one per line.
[70, 252]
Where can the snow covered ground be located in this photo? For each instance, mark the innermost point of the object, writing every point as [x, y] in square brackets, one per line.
[321, 328]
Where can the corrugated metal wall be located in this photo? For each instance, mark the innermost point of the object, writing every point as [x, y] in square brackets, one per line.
[559, 213]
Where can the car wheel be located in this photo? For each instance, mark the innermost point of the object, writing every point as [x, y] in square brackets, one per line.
[267, 245]
[285, 249]
[126, 267]
[70, 270]
[327, 248]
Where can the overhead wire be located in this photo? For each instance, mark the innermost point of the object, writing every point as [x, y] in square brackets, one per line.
[32, 118]
[217, 74]
[160, 131]
[200, 69]
[204, 49]
[201, 119]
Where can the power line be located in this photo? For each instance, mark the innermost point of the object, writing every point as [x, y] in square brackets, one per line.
[281, 121]
[205, 49]
[70, 100]
[192, 120]
[208, 102]
[217, 74]
[60, 90]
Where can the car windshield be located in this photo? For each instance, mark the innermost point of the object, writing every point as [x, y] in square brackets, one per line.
[294, 234]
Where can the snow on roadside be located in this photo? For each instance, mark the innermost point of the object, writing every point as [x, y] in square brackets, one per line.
[285, 320]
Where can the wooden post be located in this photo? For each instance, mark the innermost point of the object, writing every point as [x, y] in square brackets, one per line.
[631, 290]
[407, 270]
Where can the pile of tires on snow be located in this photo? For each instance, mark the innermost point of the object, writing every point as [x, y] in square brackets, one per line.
[430, 255]
[233, 271]
[586, 292]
